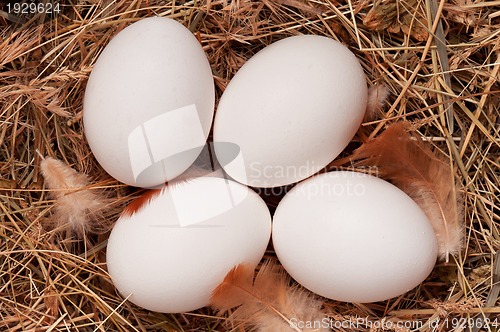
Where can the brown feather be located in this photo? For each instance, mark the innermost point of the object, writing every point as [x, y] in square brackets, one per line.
[269, 303]
[139, 202]
[402, 158]
[194, 171]
[77, 208]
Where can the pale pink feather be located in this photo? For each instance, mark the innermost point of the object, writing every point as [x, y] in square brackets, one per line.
[77, 207]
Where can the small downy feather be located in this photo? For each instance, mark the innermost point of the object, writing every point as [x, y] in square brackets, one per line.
[377, 97]
[77, 208]
[402, 158]
[268, 303]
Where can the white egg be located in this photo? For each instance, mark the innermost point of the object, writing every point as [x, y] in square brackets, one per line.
[149, 102]
[291, 109]
[353, 237]
[172, 252]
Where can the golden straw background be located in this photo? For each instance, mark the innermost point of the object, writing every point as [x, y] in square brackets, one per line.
[443, 76]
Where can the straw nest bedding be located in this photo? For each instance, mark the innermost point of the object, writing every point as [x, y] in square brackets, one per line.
[442, 77]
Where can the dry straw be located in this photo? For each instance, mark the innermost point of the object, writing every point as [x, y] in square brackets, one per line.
[439, 59]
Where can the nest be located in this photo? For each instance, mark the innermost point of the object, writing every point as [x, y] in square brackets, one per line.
[443, 75]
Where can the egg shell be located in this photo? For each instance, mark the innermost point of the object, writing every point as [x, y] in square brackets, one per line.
[171, 253]
[291, 109]
[353, 237]
[149, 102]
